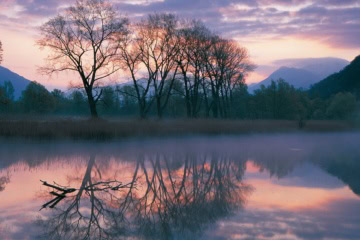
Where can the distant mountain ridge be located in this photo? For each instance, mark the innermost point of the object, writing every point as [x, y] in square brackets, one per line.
[19, 82]
[322, 67]
[299, 78]
[302, 73]
[347, 80]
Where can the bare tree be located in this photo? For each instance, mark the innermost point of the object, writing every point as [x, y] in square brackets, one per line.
[160, 56]
[84, 39]
[211, 68]
[237, 68]
[226, 64]
[193, 41]
[130, 60]
[154, 50]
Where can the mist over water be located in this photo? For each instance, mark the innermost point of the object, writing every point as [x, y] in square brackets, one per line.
[279, 186]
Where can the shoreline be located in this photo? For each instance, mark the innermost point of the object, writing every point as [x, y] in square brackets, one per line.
[120, 129]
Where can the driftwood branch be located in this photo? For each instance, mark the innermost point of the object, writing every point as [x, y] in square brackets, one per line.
[61, 191]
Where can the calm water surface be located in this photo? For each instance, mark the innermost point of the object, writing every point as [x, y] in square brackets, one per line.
[251, 187]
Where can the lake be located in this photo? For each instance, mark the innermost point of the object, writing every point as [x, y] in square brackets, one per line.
[279, 186]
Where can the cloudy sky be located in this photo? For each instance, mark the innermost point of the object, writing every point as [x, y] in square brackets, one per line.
[270, 29]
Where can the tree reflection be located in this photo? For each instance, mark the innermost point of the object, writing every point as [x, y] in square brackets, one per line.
[345, 167]
[90, 213]
[4, 180]
[168, 197]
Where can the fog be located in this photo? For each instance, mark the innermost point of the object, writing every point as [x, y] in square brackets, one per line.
[283, 147]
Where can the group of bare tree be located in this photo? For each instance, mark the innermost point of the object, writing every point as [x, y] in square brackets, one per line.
[92, 39]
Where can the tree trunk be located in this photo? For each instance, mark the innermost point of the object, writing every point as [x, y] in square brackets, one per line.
[187, 100]
[93, 110]
[158, 107]
[142, 112]
[215, 108]
[141, 104]
[215, 105]
[207, 107]
[92, 104]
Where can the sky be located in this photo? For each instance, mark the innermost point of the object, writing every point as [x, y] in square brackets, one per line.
[271, 30]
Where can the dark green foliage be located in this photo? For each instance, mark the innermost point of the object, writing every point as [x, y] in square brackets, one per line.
[176, 105]
[6, 92]
[341, 106]
[279, 100]
[109, 101]
[37, 99]
[240, 101]
[128, 102]
[317, 108]
[78, 103]
[6, 96]
[60, 101]
[347, 80]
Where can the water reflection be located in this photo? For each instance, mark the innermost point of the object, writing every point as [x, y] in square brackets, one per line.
[97, 218]
[345, 167]
[4, 180]
[168, 197]
[285, 186]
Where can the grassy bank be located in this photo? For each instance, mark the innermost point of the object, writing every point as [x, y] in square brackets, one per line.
[118, 129]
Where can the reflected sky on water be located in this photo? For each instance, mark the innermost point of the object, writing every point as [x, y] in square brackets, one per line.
[304, 186]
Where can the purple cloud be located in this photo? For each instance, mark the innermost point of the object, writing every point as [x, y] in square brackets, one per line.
[332, 21]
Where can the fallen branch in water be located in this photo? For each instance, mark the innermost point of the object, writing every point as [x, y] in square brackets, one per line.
[63, 191]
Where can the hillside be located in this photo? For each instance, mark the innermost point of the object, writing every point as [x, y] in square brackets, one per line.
[299, 78]
[322, 67]
[347, 80]
[17, 81]
[303, 72]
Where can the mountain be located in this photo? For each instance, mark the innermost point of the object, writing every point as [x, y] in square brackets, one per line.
[19, 82]
[347, 80]
[302, 73]
[299, 78]
[322, 67]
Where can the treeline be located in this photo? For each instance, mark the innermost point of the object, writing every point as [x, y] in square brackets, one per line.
[279, 100]
[37, 100]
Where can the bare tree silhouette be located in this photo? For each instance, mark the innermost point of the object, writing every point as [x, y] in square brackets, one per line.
[84, 40]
